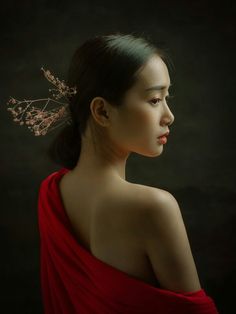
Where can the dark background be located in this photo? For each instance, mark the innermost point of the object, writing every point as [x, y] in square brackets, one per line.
[197, 165]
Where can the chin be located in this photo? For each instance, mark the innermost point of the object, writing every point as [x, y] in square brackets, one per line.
[153, 153]
[156, 154]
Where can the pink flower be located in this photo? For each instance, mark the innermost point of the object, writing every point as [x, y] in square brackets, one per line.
[40, 120]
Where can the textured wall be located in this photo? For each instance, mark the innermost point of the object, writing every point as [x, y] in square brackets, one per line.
[198, 163]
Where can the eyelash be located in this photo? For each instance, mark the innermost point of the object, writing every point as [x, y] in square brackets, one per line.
[167, 97]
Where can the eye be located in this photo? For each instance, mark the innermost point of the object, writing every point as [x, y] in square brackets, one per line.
[157, 100]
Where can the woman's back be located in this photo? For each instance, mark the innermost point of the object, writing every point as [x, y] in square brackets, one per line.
[112, 221]
[107, 224]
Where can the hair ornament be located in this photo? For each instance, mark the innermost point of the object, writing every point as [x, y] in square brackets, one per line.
[39, 120]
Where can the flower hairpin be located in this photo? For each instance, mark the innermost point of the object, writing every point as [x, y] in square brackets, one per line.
[41, 121]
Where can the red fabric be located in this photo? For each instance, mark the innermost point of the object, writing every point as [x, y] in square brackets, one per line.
[75, 281]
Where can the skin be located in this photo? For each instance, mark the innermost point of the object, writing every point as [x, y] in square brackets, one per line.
[106, 199]
[114, 132]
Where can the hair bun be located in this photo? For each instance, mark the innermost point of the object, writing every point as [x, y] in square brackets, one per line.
[67, 145]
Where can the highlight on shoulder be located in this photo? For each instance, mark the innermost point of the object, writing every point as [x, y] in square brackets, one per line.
[166, 243]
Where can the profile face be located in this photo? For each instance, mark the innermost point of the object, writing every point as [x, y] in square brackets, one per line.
[145, 114]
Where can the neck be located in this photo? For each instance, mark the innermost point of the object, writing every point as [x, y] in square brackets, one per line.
[101, 161]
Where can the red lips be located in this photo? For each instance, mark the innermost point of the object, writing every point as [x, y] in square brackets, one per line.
[165, 134]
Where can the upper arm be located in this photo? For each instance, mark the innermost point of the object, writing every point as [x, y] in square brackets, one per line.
[167, 244]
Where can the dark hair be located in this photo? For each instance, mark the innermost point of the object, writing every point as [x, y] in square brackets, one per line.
[104, 66]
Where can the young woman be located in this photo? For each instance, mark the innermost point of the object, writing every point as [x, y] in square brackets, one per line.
[109, 245]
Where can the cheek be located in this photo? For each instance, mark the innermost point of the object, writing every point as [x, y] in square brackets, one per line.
[138, 121]
[144, 117]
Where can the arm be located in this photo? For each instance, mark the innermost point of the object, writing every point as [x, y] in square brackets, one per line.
[167, 244]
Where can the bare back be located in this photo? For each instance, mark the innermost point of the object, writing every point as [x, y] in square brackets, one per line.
[107, 224]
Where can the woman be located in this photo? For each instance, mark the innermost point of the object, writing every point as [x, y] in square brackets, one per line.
[109, 245]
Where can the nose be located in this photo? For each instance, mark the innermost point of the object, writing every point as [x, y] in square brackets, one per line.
[167, 117]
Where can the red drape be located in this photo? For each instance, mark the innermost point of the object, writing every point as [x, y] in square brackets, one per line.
[75, 281]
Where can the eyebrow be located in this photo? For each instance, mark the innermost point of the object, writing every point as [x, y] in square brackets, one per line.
[157, 87]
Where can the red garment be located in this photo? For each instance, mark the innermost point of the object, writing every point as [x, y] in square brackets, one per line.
[74, 281]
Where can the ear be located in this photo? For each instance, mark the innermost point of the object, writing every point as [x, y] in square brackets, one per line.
[100, 111]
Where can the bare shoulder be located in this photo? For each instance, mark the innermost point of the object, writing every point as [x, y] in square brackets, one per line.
[124, 209]
[166, 243]
[139, 205]
[153, 200]
[151, 219]
[142, 202]
[160, 206]
[153, 194]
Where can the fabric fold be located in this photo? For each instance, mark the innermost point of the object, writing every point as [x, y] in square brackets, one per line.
[73, 280]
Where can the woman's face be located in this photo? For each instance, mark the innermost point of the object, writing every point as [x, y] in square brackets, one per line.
[144, 114]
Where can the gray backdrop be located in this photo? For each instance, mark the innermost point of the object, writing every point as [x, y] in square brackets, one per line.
[198, 163]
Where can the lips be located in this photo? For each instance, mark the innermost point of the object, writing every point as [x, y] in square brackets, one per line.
[165, 134]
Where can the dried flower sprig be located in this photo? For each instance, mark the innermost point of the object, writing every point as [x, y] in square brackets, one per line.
[39, 120]
[62, 89]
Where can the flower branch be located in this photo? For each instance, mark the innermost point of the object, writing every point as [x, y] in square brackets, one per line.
[40, 120]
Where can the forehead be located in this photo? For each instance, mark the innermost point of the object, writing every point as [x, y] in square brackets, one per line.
[155, 72]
